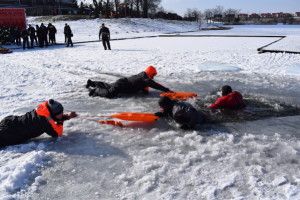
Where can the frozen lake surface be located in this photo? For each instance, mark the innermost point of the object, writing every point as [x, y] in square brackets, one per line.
[238, 160]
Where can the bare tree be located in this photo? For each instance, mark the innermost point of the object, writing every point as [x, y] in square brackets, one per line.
[98, 7]
[208, 13]
[193, 14]
[137, 4]
[145, 8]
[231, 11]
[149, 5]
[218, 13]
[107, 5]
[154, 6]
[131, 4]
[218, 10]
[117, 2]
[230, 15]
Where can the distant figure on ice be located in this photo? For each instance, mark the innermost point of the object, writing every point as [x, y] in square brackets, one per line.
[38, 34]
[43, 40]
[47, 117]
[69, 34]
[183, 113]
[52, 31]
[133, 84]
[31, 31]
[104, 31]
[65, 31]
[25, 35]
[229, 100]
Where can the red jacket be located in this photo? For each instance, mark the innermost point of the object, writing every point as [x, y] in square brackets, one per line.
[233, 101]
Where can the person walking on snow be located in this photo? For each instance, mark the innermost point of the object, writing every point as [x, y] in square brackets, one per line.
[69, 34]
[47, 117]
[133, 84]
[183, 113]
[104, 31]
[229, 100]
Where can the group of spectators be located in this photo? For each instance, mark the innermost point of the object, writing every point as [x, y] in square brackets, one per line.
[40, 35]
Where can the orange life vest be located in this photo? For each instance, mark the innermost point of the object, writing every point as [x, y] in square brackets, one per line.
[42, 110]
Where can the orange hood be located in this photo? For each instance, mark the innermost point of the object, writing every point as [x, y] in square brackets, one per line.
[151, 71]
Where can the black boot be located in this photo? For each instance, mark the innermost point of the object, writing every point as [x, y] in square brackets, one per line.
[90, 83]
[92, 92]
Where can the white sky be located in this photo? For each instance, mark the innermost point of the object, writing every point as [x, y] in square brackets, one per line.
[258, 6]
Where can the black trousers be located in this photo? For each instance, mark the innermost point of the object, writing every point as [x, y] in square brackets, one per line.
[105, 41]
[52, 38]
[107, 90]
[10, 133]
[43, 41]
[32, 39]
[69, 41]
[25, 41]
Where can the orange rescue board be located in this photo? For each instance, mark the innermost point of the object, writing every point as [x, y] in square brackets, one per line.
[179, 95]
[142, 117]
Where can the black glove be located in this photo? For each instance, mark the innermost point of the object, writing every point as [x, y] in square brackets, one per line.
[159, 114]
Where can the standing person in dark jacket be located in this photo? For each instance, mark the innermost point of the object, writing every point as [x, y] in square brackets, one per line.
[47, 117]
[18, 35]
[44, 35]
[31, 31]
[69, 34]
[38, 34]
[183, 113]
[12, 31]
[133, 84]
[104, 31]
[229, 100]
[65, 31]
[52, 32]
[25, 35]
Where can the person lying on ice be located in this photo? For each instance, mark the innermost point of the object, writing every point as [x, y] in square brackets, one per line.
[47, 117]
[229, 100]
[183, 113]
[133, 84]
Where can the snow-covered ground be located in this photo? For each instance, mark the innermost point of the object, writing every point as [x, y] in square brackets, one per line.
[240, 160]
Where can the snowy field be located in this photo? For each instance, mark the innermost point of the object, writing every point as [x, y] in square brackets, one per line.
[240, 160]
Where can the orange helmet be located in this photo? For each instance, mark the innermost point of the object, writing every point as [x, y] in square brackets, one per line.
[151, 71]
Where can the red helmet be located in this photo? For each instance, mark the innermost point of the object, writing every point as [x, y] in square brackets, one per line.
[151, 71]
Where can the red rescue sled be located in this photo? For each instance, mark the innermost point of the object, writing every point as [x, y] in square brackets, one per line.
[4, 50]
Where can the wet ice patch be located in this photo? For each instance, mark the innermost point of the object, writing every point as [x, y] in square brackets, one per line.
[294, 69]
[218, 67]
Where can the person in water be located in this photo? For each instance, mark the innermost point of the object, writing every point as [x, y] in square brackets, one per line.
[231, 100]
[183, 113]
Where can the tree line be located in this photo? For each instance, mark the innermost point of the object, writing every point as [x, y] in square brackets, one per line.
[152, 9]
[118, 8]
[147, 9]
